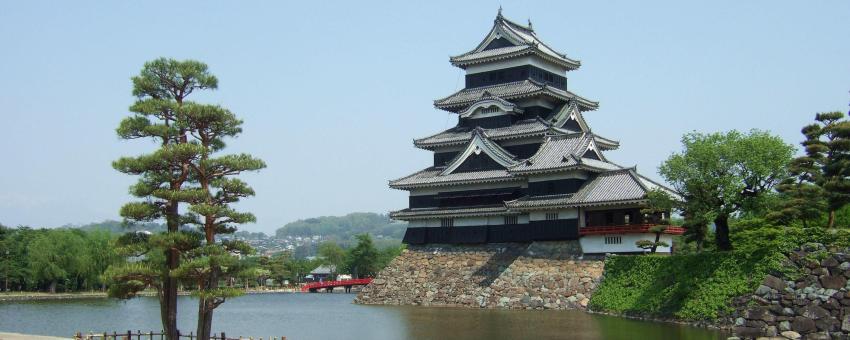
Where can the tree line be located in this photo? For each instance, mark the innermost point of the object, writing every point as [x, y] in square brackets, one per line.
[55, 259]
[750, 180]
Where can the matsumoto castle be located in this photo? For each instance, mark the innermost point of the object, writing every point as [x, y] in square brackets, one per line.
[522, 164]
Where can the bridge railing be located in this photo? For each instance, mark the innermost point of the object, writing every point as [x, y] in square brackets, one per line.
[336, 283]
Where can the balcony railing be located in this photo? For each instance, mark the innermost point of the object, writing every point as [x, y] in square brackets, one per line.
[627, 229]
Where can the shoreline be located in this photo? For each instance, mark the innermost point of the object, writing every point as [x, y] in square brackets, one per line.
[42, 296]
[19, 336]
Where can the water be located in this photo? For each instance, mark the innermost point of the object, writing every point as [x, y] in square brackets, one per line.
[333, 316]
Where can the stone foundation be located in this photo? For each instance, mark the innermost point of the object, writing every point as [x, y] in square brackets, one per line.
[540, 275]
[811, 301]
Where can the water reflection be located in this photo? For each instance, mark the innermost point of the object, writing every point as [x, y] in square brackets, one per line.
[333, 316]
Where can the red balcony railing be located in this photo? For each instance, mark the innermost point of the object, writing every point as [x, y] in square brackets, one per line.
[627, 229]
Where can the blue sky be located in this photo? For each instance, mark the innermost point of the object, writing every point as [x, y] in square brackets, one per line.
[332, 93]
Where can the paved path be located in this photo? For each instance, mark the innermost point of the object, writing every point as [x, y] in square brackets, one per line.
[17, 336]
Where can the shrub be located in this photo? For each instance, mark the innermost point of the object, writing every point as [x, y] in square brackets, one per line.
[689, 287]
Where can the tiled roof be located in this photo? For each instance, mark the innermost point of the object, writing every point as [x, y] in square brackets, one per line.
[461, 135]
[513, 90]
[496, 52]
[523, 37]
[412, 214]
[611, 187]
[561, 151]
[536, 127]
[480, 143]
[432, 177]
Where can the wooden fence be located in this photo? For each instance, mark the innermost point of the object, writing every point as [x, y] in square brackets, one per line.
[139, 335]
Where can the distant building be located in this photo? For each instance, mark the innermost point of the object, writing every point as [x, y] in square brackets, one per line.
[522, 164]
[322, 273]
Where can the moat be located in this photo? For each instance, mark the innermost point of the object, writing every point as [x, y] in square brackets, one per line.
[334, 316]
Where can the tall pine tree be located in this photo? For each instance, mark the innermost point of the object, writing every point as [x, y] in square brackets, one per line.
[161, 89]
[208, 126]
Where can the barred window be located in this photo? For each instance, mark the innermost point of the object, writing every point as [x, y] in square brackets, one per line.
[613, 240]
[491, 109]
[551, 216]
[447, 222]
[511, 219]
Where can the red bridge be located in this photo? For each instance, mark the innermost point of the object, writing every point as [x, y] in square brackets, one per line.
[329, 285]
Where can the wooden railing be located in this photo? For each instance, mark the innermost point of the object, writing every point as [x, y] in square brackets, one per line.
[139, 335]
[627, 228]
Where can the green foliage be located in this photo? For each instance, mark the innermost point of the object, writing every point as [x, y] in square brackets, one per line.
[754, 234]
[332, 254]
[55, 259]
[819, 180]
[689, 287]
[363, 258]
[721, 174]
[344, 228]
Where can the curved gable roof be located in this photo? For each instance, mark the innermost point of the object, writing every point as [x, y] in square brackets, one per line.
[524, 42]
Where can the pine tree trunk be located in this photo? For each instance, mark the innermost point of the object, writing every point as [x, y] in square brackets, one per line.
[655, 245]
[206, 306]
[53, 287]
[168, 304]
[831, 222]
[721, 233]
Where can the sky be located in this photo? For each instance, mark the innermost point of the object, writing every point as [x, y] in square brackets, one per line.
[333, 93]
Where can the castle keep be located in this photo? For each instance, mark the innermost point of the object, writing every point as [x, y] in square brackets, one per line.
[522, 165]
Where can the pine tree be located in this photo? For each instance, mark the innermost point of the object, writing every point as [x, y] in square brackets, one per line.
[158, 114]
[800, 199]
[208, 126]
[827, 160]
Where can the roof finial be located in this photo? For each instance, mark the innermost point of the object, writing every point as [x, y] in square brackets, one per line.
[499, 15]
[529, 25]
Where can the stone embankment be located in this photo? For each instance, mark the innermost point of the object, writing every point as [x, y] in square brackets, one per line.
[809, 300]
[541, 275]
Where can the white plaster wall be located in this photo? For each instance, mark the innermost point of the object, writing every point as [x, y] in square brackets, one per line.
[513, 62]
[563, 214]
[596, 243]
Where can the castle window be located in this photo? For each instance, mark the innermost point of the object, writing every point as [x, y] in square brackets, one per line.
[613, 240]
[551, 216]
[491, 109]
[447, 222]
[627, 218]
[511, 219]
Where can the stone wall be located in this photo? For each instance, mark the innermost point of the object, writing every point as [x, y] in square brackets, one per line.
[540, 275]
[809, 300]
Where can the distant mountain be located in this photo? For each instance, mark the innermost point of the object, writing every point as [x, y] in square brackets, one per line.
[345, 227]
